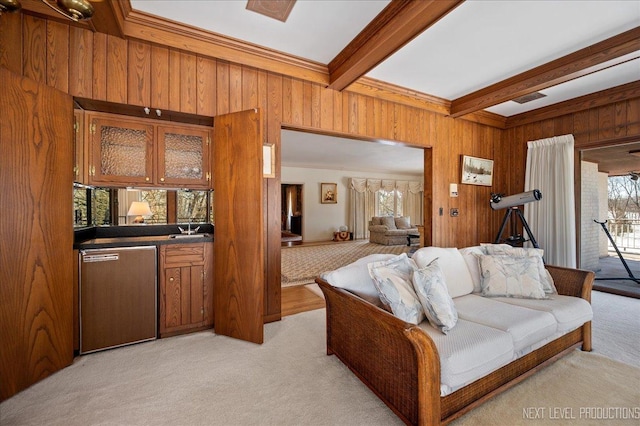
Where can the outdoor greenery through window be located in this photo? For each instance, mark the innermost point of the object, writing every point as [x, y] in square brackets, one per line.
[93, 206]
[389, 203]
[623, 219]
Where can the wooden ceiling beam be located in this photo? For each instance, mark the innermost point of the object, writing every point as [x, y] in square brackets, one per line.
[580, 63]
[400, 22]
[593, 100]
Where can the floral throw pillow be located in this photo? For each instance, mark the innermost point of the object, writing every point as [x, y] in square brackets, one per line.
[392, 278]
[402, 222]
[388, 221]
[510, 276]
[505, 249]
[435, 299]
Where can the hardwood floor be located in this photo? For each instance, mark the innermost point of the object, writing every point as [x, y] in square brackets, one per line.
[301, 299]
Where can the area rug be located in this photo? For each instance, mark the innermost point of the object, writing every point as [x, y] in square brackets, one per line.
[207, 379]
[580, 389]
[301, 265]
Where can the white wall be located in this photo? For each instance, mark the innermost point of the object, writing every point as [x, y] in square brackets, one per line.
[603, 192]
[590, 231]
[320, 221]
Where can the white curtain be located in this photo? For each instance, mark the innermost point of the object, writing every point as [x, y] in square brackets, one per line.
[550, 168]
[361, 207]
[411, 199]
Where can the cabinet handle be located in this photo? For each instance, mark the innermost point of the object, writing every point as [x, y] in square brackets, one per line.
[161, 179]
[147, 179]
[171, 279]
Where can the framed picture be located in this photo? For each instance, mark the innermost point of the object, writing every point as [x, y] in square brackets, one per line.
[477, 171]
[268, 161]
[328, 193]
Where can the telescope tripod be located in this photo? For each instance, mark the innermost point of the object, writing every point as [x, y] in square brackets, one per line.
[624, 262]
[515, 238]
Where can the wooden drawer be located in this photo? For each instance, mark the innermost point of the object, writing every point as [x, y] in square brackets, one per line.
[183, 254]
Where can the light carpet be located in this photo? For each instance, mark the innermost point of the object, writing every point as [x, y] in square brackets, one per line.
[302, 264]
[205, 379]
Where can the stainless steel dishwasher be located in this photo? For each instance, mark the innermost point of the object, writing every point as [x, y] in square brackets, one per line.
[118, 297]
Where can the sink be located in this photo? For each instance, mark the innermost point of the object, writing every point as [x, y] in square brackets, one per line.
[187, 235]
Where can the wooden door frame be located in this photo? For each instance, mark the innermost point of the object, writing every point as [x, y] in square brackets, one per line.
[427, 204]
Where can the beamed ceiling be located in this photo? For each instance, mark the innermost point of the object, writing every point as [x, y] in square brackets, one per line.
[460, 58]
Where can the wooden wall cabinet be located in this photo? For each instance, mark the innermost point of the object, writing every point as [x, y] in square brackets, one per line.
[183, 156]
[186, 288]
[79, 170]
[120, 151]
[143, 152]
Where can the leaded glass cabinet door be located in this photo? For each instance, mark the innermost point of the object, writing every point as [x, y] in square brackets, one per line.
[122, 151]
[183, 156]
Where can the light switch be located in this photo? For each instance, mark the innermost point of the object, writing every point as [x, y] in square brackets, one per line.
[453, 189]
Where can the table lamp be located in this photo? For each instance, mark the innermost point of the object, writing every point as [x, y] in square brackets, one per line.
[139, 209]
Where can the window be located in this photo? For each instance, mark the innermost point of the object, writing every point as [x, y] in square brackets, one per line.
[157, 199]
[192, 206]
[106, 206]
[389, 203]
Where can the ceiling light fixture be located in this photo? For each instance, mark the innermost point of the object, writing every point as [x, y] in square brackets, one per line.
[9, 6]
[76, 10]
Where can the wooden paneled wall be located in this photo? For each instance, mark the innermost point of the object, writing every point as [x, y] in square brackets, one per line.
[592, 128]
[103, 67]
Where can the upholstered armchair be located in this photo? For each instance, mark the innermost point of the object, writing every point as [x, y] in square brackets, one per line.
[389, 230]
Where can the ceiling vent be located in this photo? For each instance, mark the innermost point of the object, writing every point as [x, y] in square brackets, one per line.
[276, 9]
[528, 98]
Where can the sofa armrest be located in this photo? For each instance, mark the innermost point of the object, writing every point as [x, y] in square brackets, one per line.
[572, 282]
[397, 360]
[378, 228]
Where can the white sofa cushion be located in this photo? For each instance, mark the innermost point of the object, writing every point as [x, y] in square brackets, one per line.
[511, 277]
[432, 292]
[392, 278]
[355, 277]
[526, 326]
[470, 256]
[569, 312]
[455, 271]
[469, 352]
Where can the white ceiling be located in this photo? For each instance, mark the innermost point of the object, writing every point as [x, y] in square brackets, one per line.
[479, 43]
[309, 150]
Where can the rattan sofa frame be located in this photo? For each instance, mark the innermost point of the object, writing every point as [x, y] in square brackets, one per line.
[399, 362]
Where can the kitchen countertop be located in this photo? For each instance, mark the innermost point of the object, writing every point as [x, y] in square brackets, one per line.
[132, 236]
[150, 240]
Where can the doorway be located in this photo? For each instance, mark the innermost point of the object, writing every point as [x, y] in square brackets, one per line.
[291, 222]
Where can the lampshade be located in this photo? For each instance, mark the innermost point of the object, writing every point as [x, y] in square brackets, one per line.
[139, 209]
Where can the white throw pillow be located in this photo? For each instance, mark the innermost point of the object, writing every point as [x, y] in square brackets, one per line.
[355, 277]
[393, 281]
[545, 277]
[432, 292]
[510, 276]
[456, 274]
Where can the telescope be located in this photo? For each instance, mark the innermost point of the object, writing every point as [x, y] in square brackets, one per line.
[511, 202]
[499, 201]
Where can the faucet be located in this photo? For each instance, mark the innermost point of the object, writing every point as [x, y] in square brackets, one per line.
[189, 231]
